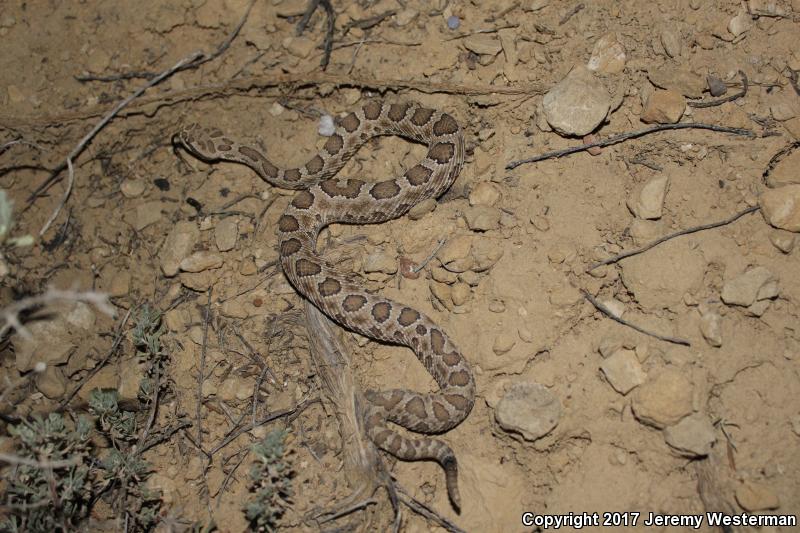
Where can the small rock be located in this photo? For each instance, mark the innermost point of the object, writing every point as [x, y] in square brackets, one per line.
[460, 293]
[422, 209]
[679, 80]
[201, 261]
[51, 382]
[528, 409]
[693, 436]
[482, 218]
[503, 343]
[577, 104]
[540, 222]
[178, 244]
[484, 193]
[608, 55]
[710, 327]
[525, 335]
[590, 139]
[443, 293]
[50, 343]
[291, 8]
[716, 86]
[497, 306]
[781, 207]
[756, 284]
[754, 496]
[486, 253]
[616, 307]
[458, 247]
[664, 400]
[757, 308]
[648, 202]
[608, 346]
[226, 233]
[740, 23]
[663, 107]
[199, 281]
[671, 43]
[120, 284]
[132, 187]
[782, 241]
[380, 261]
[623, 371]
[483, 44]
[404, 17]
[299, 46]
[785, 172]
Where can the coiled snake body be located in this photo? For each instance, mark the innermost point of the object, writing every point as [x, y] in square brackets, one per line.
[322, 200]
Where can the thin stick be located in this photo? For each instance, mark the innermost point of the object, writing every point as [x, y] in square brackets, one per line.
[201, 374]
[331, 24]
[193, 60]
[569, 14]
[422, 509]
[610, 314]
[630, 135]
[17, 460]
[665, 238]
[720, 101]
[431, 256]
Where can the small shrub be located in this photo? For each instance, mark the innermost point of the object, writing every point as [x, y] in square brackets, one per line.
[271, 477]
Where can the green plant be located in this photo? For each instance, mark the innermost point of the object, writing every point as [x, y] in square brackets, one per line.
[7, 223]
[55, 494]
[146, 335]
[271, 477]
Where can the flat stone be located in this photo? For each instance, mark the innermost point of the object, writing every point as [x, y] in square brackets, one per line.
[782, 241]
[577, 104]
[608, 55]
[484, 193]
[380, 261]
[711, 328]
[201, 261]
[677, 79]
[647, 201]
[50, 343]
[483, 44]
[756, 284]
[299, 46]
[664, 399]
[623, 371]
[482, 218]
[51, 382]
[671, 43]
[422, 209]
[664, 107]
[460, 293]
[178, 244]
[693, 436]
[503, 343]
[781, 207]
[786, 172]
[753, 496]
[226, 234]
[456, 248]
[740, 23]
[486, 252]
[529, 409]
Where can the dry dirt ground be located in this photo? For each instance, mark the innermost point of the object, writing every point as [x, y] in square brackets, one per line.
[643, 425]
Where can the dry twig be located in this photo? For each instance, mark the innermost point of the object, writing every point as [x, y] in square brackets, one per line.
[720, 101]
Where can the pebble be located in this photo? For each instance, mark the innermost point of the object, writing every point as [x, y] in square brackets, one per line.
[647, 202]
[380, 261]
[783, 106]
[299, 46]
[577, 104]
[671, 43]
[51, 382]
[753, 496]
[442, 275]
[178, 244]
[453, 22]
[781, 207]
[663, 107]
[199, 281]
[482, 218]
[678, 79]
[782, 241]
[484, 193]
[483, 44]
[528, 409]
[119, 285]
[693, 436]
[525, 335]
[497, 306]
[616, 307]
[716, 86]
[753, 285]
[503, 343]
[422, 209]
[458, 247]
[486, 253]
[460, 293]
[404, 17]
[710, 327]
[608, 346]
[291, 8]
[132, 187]
[623, 371]
[226, 233]
[664, 400]
[608, 55]
[785, 172]
[201, 261]
[50, 342]
[443, 294]
[740, 23]
[540, 222]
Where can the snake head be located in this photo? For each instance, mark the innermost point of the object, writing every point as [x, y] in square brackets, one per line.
[199, 141]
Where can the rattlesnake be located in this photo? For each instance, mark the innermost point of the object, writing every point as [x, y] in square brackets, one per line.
[322, 200]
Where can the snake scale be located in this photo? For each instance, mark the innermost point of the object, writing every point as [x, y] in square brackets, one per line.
[322, 200]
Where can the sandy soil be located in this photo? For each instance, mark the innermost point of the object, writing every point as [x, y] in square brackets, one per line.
[520, 320]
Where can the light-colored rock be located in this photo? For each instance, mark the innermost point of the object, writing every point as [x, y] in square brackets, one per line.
[647, 201]
[693, 436]
[226, 233]
[679, 79]
[132, 187]
[664, 399]
[486, 253]
[405, 16]
[528, 409]
[663, 107]
[443, 293]
[753, 496]
[178, 244]
[503, 343]
[484, 193]
[380, 261]
[50, 342]
[577, 104]
[299, 46]
[608, 55]
[616, 307]
[456, 248]
[422, 209]
[291, 8]
[786, 172]
[460, 293]
[51, 382]
[782, 241]
[740, 23]
[781, 207]
[483, 44]
[671, 42]
[623, 371]
[608, 346]
[482, 218]
[119, 284]
[199, 281]
[755, 284]
[711, 328]
[201, 261]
